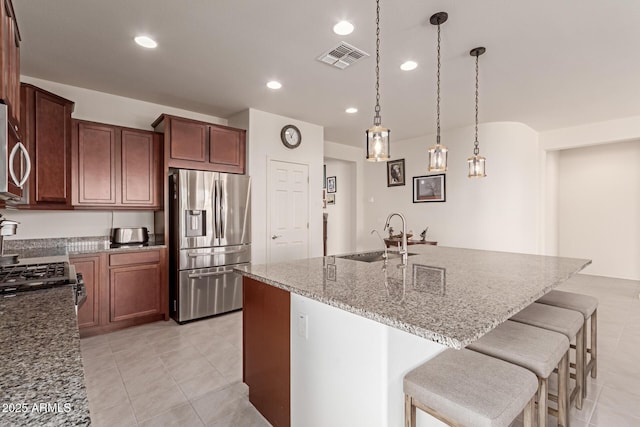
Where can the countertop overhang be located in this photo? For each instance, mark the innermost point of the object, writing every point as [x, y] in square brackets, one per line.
[452, 296]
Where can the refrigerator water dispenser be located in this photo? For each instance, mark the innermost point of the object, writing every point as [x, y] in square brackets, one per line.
[195, 221]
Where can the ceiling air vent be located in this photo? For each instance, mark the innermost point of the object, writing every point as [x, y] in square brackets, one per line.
[342, 56]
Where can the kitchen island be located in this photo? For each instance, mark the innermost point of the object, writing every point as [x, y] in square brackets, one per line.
[355, 328]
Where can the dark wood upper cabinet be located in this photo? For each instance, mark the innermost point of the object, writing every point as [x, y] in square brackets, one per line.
[115, 167]
[96, 160]
[191, 144]
[227, 149]
[188, 140]
[10, 58]
[46, 123]
[140, 155]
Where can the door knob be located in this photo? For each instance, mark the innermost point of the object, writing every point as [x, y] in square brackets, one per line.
[275, 236]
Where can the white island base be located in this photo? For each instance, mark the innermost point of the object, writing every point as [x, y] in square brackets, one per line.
[347, 370]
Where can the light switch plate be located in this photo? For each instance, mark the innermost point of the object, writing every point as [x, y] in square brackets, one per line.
[303, 325]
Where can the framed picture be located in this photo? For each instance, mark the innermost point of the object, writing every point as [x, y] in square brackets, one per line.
[429, 188]
[395, 173]
[331, 199]
[331, 184]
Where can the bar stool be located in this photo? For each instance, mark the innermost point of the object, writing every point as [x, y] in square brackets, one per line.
[465, 388]
[588, 307]
[566, 322]
[537, 350]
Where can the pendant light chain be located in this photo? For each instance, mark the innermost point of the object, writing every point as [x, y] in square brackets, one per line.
[476, 150]
[376, 119]
[438, 92]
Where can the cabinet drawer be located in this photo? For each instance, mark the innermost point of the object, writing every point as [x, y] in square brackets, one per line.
[130, 258]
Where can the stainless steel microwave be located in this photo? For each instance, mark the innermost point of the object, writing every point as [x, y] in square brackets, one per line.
[15, 164]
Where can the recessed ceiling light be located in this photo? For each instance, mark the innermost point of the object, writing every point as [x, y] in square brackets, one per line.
[343, 28]
[351, 110]
[409, 65]
[147, 42]
[274, 85]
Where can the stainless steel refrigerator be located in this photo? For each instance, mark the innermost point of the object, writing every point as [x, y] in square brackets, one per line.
[210, 233]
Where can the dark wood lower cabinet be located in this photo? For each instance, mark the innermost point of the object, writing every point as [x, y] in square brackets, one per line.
[266, 350]
[123, 289]
[134, 291]
[89, 266]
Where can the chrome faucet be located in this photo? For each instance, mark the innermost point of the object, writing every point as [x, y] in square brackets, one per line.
[403, 250]
[384, 245]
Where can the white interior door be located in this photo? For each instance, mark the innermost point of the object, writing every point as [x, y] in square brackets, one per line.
[288, 203]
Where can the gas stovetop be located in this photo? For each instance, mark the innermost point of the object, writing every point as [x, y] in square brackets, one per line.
[23, 277]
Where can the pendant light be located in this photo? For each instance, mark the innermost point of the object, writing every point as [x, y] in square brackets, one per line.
[476, 162]
[377, 136]
[438, 152]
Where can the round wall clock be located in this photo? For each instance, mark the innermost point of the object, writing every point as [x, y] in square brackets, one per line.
[291, 136]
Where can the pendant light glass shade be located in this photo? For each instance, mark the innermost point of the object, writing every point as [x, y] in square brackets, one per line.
[377, 136]
[438, 153]
[378, 144]
[476, 166]
[476, 162]
[438, 158]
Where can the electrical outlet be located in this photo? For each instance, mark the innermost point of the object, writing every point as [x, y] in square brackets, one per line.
[303, 325]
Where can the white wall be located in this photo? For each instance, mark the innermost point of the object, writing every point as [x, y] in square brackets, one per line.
[599, 207]
[341, 220]
[105, 108]
[113, 109]
[263, 145]
[499, 212]
[354, 155]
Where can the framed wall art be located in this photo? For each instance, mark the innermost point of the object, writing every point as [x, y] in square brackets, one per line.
[429, 188]
[331, 184]
[395, 173]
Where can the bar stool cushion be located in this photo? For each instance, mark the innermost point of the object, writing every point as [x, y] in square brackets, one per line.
[561, 320]
[578, 302]
[472, 388]
[536, 349]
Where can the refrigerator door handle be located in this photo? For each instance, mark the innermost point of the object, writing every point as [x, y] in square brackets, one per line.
[222, 209]
[216, 211]
[196, 255]
[213, 273]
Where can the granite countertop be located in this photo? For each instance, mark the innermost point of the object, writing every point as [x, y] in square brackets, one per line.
[451, 296]
[41, 374]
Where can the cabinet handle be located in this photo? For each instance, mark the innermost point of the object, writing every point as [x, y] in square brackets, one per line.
[214, 273]
[275, 236]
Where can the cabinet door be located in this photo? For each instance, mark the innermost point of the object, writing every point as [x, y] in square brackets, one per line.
[140, 155]
[89, 313]
[188, 141]
[134, 291]
[96, 160]
[49, 146]
[266, 350]
[227, 149]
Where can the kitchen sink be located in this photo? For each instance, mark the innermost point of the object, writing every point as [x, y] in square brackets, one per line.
[372, 256]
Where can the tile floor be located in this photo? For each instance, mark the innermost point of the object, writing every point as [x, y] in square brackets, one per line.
[164, 374]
